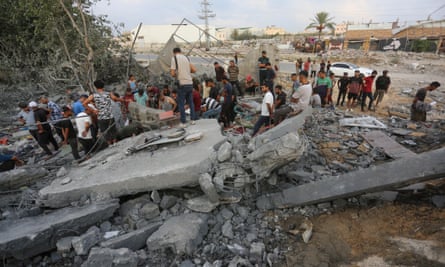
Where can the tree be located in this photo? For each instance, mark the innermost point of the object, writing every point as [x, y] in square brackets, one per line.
[320, 22]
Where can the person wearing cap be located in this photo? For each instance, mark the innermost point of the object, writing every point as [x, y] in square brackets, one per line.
[367, 90]
[342, 88]
[44, 131]
[354, 88]
[381, 87]
[419, 107]
[262, 61]
[250, 85]
[26, 117]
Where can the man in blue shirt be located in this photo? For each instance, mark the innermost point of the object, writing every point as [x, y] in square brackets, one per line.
[78, 106]
[8, 162]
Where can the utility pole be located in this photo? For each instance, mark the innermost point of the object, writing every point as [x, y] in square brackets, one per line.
[206, 13]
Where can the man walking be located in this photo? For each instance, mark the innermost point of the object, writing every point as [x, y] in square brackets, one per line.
[233, 72]
[367, 90]
[354, 88]
[342, 88]
[181, 69]
[419, 107]
[381, 85]
[266, 110]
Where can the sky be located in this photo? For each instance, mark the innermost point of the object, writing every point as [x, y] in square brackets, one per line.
[292, 15]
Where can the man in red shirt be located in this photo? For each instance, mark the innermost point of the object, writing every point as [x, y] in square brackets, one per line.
[196, 101]
[367, 90]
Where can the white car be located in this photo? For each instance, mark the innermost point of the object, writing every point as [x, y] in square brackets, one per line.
[338, 68]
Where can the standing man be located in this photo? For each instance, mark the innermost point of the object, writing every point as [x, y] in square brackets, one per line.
[181, 69]
[26, 117]
[266, 110]
[295, 82]
[307, 65]
[83, 125]
[102, 101]
[55, 114]
[45, 135]
[323, 86]
[262, 61]
[270, 77]
[233, 72]
[342, 88]
[419, 107]
[69, 135]
[367, 90]
[141, 97]
[381, 85]
[354, 88]
[219, 74]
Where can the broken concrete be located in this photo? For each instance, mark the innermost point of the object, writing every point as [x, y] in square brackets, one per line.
[111, 257]
[108, 173]
[422, 167]
[83, 243]
[134, 240]
[17, 178]
[390, 146]
[181, 233]
[278, 146]
[31, 236]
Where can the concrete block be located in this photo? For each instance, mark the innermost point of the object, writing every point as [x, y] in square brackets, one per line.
[225, 152]
[108, 172]
[181, 233]
[27, 237]
[134, 240]
[207, 186]
[395, 174]
[168, 202]
[111, 257]
[17, 178]
[83, 243]
[64, 244]
[149, 211]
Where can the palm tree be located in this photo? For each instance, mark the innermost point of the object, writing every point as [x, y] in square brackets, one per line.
[320, 22]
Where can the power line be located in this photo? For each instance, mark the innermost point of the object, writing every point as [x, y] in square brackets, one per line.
[206, 14]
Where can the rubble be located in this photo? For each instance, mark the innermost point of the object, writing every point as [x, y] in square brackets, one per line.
[83, 243]
[111, 257]
[133, 240]
[17, 178]
[31, 236]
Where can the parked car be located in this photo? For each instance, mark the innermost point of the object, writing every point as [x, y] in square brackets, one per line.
[338, 68]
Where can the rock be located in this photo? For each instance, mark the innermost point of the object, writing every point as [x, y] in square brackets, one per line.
[61, 172]
[207, 186]
[65, 181]
[256, 251]
[227, 230]
[64, 244]
[24, 176]
[250, 237]
[225, 152]
[243, 211]
[168, 202]
[226, 214]
[111, 257]
[237, 249]
[105, 226]
[238, 261]
[32, 236]
[187, 263]
[149, 211]
[131, 207]
[181, 233]
[110, 234]
[155, 196]
[438, 200]
[134, 240]
[83, 243]
[201, 204]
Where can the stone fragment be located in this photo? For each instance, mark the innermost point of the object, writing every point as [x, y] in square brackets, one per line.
[438, 200]
[227, 230]
[207, 186]
[64, 244]
[187, 263]
[201, 204]
[24, 176]
[256, 251]
[61, 172]
[181, 233]
[111, 257]
[225, 152]
[155, 196]
[168, 202]
[134, 240]
[83, 243]
[149, 211]
[31, 236]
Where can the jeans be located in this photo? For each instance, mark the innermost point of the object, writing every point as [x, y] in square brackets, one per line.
[364, 96]
[211, 113]
[185, 95]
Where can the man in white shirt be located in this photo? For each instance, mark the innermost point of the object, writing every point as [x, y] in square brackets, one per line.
[266, 110]
[299, 100]
[181, 69]
[83, 124]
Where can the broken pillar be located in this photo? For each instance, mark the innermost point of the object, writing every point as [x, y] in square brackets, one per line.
[399, 173]
[278, 146]
[31, 236]
[111, 173]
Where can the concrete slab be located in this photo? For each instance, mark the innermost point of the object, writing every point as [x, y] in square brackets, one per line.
[389, 145]
[111, 173]
[31, 236]
[399, 173]
[17, 178]
[134, 240]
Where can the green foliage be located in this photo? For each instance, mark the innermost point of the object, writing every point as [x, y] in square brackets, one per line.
[244, 35]
[320, 22]
[423, 46]
[38, 42]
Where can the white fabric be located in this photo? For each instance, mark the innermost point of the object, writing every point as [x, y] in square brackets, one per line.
[183, 73]
[81, 119]
[267, 99]
[303, 94]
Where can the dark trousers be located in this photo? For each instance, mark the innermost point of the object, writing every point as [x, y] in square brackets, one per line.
[74, 149]
[45, 138]
[341, 95]
[263, 74]
[262, 120]
[7, 165]
[87, 145]
[364, 96]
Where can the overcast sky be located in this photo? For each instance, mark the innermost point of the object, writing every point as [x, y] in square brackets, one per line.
[292, 15]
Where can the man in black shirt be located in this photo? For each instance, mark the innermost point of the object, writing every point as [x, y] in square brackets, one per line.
[281, 96]
[219, 75]
[419, 107]
[45, 135]
[69, 135]
[381, 87]
[343, 88]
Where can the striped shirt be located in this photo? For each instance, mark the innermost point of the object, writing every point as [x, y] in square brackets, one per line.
[56, 112]
[210, 103]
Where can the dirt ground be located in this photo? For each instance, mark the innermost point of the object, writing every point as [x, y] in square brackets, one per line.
[363, 236]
